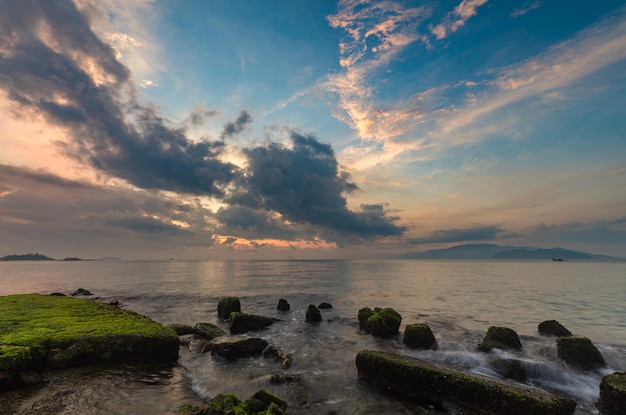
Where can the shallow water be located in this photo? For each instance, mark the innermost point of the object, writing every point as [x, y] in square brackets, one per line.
[458, 299]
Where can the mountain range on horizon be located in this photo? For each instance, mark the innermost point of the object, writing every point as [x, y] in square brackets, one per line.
[492, 251]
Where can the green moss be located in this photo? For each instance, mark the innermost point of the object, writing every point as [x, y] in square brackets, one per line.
[419, 336]
[382, 322]
[500, 338]
[262, 403]
[363, 315]
[228, 305]
[579, 352]
[51, 331]
[613, 394]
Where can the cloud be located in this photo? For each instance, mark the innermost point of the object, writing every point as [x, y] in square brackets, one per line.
[477, 233]
[233, 128]
[64, 72]
[304, 185]
[601, 232]
[457, 18]
[525, 9]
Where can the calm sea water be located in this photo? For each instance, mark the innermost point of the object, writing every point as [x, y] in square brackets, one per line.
[458, 299]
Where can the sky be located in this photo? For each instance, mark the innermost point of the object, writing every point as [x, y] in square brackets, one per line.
[154, 129]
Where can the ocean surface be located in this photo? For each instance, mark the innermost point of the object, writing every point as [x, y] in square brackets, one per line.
[459, 299]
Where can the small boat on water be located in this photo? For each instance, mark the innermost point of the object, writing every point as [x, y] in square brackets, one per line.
[558, 259]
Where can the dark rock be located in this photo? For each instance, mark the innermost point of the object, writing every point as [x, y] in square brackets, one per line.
[419, 336]
[277, 354]
[114, 302]
[269, 398]
[324, 306]
[415, 380]
[263, 402]
[579, 352]
[208, 331]
[313, 315]
[283, 305]
[508, 368]
[58, 294]
[295, 387]
[242, 323]
[185, 339]
[553, 328]
[198, 344]
[381, 322]
[232, 348]
[81, 291]
[500, 338]
[228, 305]
[182, 329]
[613, 394]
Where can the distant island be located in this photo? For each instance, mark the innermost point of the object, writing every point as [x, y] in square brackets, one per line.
[491, 251]
[26, 257]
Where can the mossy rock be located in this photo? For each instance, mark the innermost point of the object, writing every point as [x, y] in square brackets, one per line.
[579, 352]
[500, 338]
[381, 322]
[553, 328]
[228, 305]
[261, 403]
[283, 305]
[613, 394]
[313, 314]
[419, 336]
[417, 381]
[182, 329]
[39, 332]
[242, 323]
[232, 348]
[208, 331]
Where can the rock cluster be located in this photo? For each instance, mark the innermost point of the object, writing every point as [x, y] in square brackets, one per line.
[381, 322]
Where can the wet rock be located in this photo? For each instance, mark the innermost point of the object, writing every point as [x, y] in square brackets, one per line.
[185, 339]
[613, 394]
[508, 368]
[58, 294]
[313, 315]
[278, 355]
[198, 344]
[500, 338]
[324, 306]
[295, 387]
[182, 329]
[232, 348]
[553, 328]
[381, 322]
[283, 305]
[262, 402]
[228, 305]
[415, 380]
[81, 291]
[114, 302]
[579, 352]
[242, 323]
[419, 336]
[208, 331]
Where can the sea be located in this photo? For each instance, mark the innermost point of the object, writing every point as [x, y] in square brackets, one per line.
[458, 299]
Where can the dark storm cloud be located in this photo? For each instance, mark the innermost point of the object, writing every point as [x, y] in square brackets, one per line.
[240, 124]
[478, 233]
[304, 185]
[121, 138]
[252, 223]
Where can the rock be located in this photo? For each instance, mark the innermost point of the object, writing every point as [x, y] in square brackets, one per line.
[228, 305]
[579, 352]
[242, 323]
[324, 306]
[208, 331]
[185, 339]
[114, 302]
[102, 333]
[553, 328]
[261, 403]
[274, 352]
[268, 399]
[419, 336]
[313, 315]
[58, 294]
[232, 348]
[81, 291]
[500, 338]
[283, 305]
[182, 329]
[508, 368]
[199, 344]
[295, 387]
[613, 394]
[415, 380]
[381, 322]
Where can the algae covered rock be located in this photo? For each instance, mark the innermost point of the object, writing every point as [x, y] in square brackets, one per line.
[419, 336]
[553, 328]
[208, 331]
[415, 380]
[182, 329]
[228, 305]
[500, 338]
[39, 332]
[313, 314]
[613, 394]
[283, 305]
[242, 323]
[261, 403]
[232, 348]
[579, 352]
[381, 322]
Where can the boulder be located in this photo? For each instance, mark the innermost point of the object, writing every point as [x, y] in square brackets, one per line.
[324, 306]
[278, 355]
[228, 305]
[419, 336]
[579, 352]
[508, 368]
[553, 328]
[232, 348]
[418, 381]
[261, 403]
[500, 338]
[198, 344]
[182, 329]
[283, 305]
[242, 323]
[313, 314]
[613, 394]
[81, 291]
[295, 387]
[208, 331]
[381, 322]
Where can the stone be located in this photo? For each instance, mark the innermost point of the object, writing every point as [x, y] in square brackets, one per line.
[553, 328]
[419, 336]
[283, 305]
[613, 394]
[508, 368]
[278, 355]
[313, 315]
[208, 331]
[295, 387]
[414, 380]
[198, 344]
[182, 329]
[242, 323]
[380, 322]
[261, 403]
[228, 305]
[232, 348]
[500, 338]
[579, 352]
[81, 291]
[324, 306]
